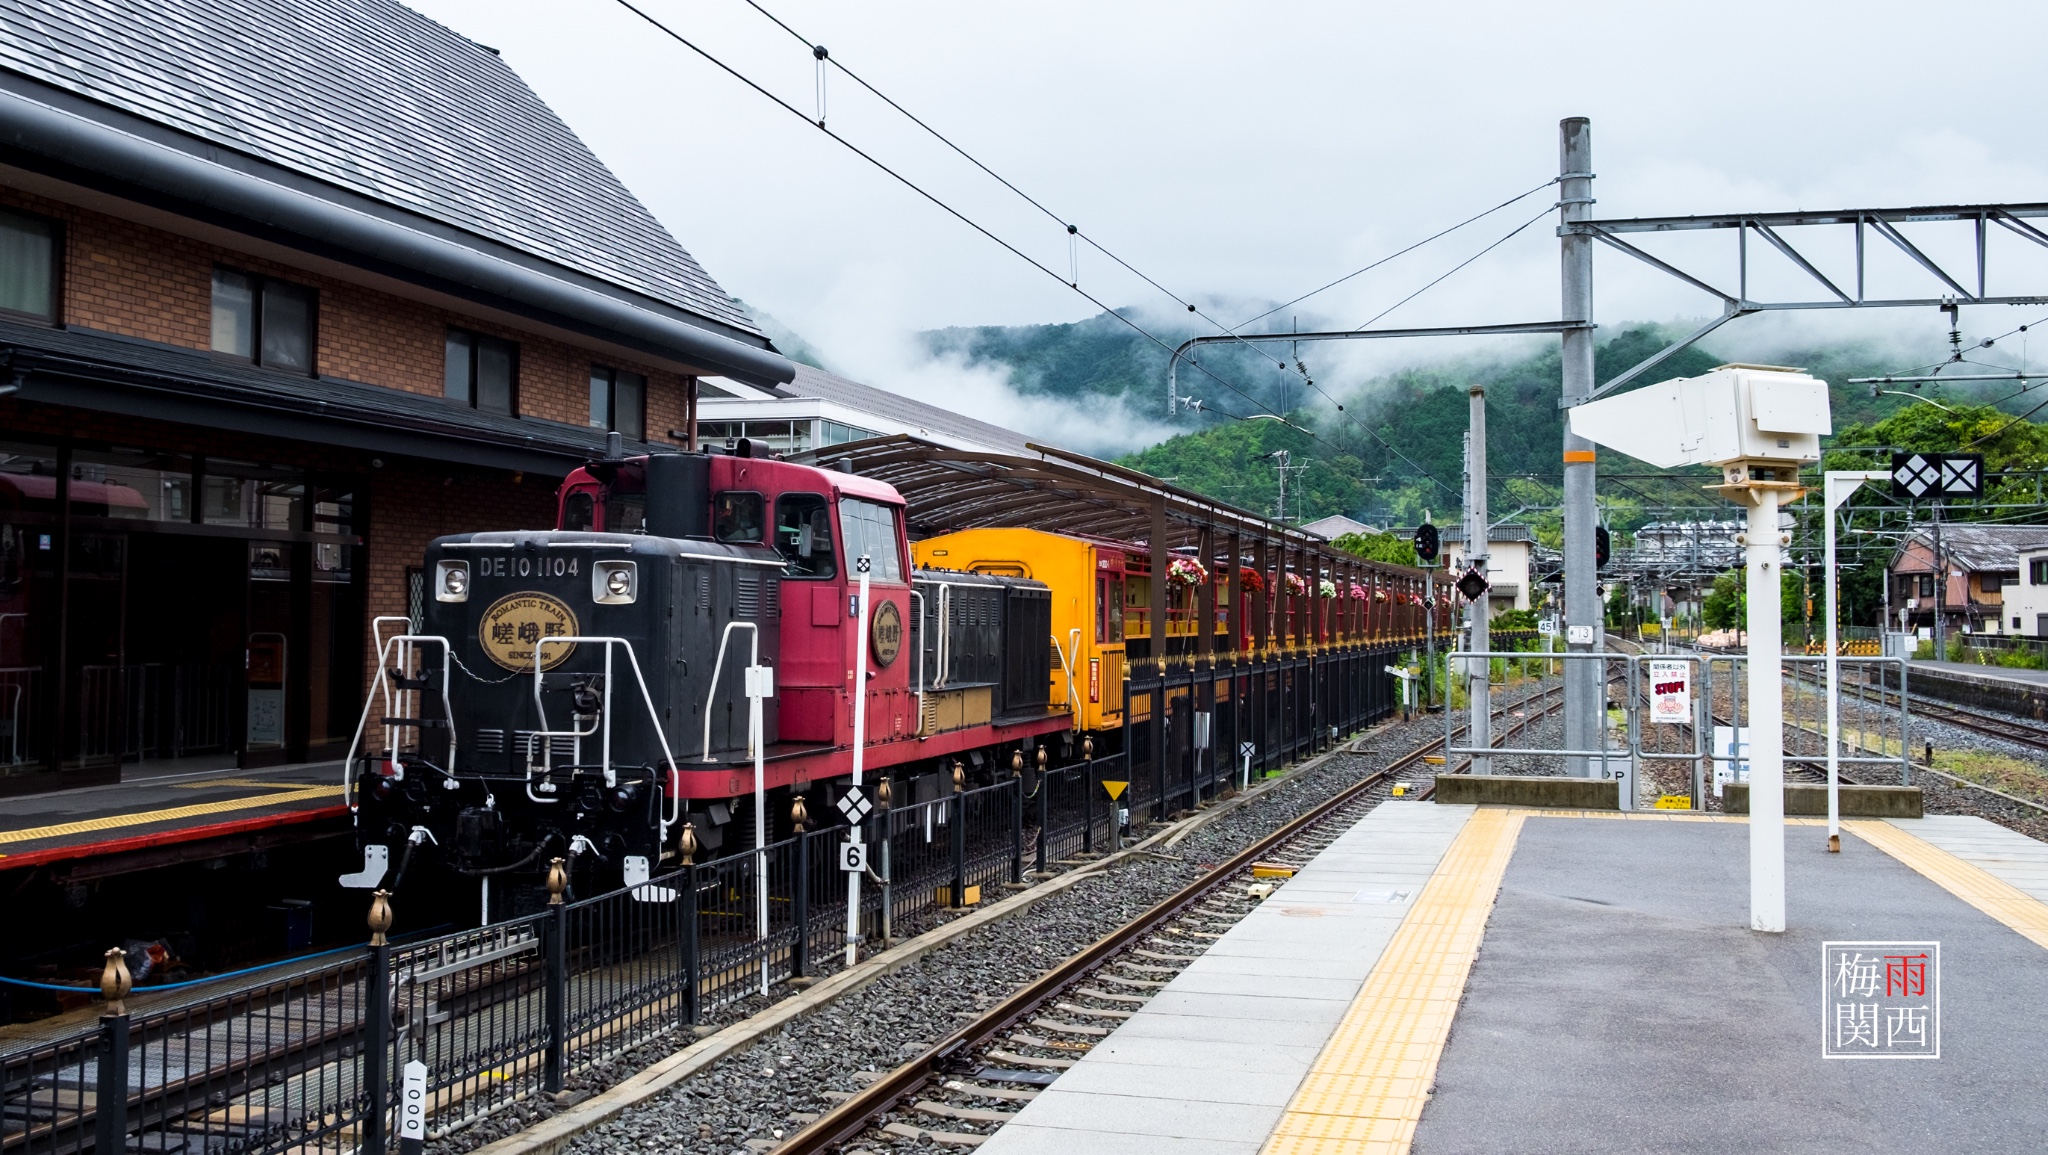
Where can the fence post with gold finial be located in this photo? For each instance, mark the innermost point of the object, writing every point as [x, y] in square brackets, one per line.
[554, 1056]
[800, 913]
[111, 1121]
[376, 1055]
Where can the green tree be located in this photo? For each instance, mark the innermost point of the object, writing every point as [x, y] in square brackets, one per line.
[1726, 606]
[1387, 547]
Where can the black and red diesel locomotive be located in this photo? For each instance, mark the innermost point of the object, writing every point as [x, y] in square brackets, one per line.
[581, 692]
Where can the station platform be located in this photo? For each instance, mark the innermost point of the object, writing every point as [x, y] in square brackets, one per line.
[161, 820]
[1485, 979]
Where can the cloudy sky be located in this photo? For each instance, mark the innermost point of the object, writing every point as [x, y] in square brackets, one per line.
[1241, 152]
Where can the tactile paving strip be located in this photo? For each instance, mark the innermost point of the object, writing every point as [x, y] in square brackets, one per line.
[1369, 1085]
[1971, 883]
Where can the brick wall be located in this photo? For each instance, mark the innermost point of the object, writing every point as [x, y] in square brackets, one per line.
[137, 281]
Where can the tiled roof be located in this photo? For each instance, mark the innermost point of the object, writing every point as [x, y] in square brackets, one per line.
[1985, 547]
[374, 98]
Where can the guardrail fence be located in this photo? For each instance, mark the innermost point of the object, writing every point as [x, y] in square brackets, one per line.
[318, 1060]
[1690, 711]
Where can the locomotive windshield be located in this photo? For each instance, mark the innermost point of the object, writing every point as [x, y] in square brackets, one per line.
[869, 527]
[624, 505]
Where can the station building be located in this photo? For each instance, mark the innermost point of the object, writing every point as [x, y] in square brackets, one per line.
[816, 410]
[288, 288]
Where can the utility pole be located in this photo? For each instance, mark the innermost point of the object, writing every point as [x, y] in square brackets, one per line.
[1584, 689]
[1479, 675]
[1940, 587]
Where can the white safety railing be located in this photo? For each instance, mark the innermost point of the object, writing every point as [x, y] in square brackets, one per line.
[394, 697]
[601, 726]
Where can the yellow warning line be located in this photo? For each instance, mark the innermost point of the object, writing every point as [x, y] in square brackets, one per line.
[1971, 883]
[169, 814]
[1369, 1085]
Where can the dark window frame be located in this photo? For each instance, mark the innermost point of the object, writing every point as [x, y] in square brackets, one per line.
[258, 282]
[59, 236]
[826, 557]
[610, 376]
[761, 513]
[477, 338]
[2037, 571]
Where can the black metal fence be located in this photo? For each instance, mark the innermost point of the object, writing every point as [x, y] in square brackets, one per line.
[502, 1012]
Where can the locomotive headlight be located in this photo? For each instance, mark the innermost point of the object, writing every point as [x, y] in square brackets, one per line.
[615, 583]
[451, 581]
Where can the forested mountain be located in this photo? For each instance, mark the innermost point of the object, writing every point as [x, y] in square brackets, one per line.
[1342, 466]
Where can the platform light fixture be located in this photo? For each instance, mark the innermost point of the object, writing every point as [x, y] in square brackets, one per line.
[1759, 424]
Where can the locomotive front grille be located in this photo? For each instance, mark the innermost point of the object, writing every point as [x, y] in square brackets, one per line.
[561, 748]
[490, 741]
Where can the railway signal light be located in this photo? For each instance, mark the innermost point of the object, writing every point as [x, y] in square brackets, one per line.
[1601, 547]
[1427, 542]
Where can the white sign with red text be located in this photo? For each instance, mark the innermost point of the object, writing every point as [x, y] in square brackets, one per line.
[1670, 691]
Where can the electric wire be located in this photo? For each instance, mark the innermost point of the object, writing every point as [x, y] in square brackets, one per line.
[818, 51]
[1460, 265]
[1401, 253]
[942, 205]
[1073, 230]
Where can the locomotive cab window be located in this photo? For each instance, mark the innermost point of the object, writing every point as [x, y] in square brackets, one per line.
[869, 527]
[803, 535]
[736, 517]
[579, 509]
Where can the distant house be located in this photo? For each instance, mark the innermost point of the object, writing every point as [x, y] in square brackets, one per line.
[1335, 526]
[1982, 564]
[1510, 547]
[2026, 601]
[818, 409]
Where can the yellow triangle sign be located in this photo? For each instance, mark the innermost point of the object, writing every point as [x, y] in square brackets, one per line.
[1116, 789]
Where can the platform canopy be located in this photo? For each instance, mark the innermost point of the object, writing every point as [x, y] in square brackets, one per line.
[1055, 490]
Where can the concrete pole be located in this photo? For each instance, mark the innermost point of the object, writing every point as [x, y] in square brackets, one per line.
[1584, 689]
[1766, 718]
[1476, 553]
[1940, 589]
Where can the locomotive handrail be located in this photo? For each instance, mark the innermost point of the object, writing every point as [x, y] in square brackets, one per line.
[917, 595]
[348, 762]
[611, 776]
[718, 667]
[1067, 661]
[392, 708]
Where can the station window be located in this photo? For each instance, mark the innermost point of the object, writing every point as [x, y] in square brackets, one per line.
[28, 266]
[264, 321]
[482, 372]
[803, 535]
[869, 527]
[618, 401]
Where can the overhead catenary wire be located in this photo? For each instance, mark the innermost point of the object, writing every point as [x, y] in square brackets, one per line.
[921, 191]
[1075, 233]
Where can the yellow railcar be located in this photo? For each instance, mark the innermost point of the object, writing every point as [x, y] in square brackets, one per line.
[1094, 582]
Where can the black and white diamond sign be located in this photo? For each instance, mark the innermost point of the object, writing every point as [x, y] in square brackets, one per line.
[854, 804]
[1473, 584]
[1925, 476]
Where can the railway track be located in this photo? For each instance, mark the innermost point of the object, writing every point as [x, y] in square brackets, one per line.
[983, 1073]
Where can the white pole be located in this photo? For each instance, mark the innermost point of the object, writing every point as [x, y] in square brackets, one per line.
[1766, 719]
[1837, 487]
[860, 741]
[756, 742]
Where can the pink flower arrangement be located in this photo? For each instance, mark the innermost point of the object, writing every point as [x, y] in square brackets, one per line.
[1296, 584]
[1187, 571]
[1358, 593]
